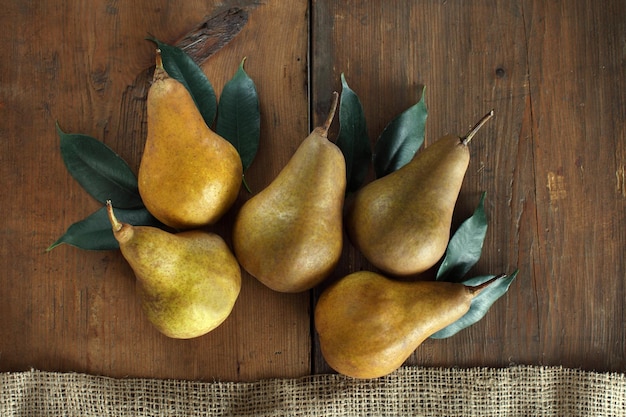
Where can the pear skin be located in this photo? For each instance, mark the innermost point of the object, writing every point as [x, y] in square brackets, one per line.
[187, 282]
[189, 176]
[290, 235]
[368, 325]
[401, 222]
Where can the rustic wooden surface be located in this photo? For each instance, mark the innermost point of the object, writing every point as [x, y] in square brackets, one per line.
[552, 162]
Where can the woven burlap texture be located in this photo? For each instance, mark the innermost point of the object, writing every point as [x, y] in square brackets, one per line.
[411, 391]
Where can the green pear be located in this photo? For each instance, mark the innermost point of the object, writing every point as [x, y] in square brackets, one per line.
[189, 176]
[401, 222]
[187, 282]
[289, 236]
[368, 325]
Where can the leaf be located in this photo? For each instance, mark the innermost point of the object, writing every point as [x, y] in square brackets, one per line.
[183, 68]
[94, 232]
[400, 139]
[465, 246]
[480, 304]
[238, 116]
[353, 139]
[99, 170]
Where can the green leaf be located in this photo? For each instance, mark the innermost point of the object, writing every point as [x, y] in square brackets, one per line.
[480, 304]
[183, 68]
[99, 170]
[238, 116]
[353, 139]
[465, 246]
[400, 139]
[95, 233]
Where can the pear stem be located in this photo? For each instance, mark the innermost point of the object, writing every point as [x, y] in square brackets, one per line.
[331, 114]
[159, 71]
[475, 290]
[117, 226]
[159, 58]
[472, 132]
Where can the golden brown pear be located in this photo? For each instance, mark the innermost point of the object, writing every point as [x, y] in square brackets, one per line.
[189, 176]
[289, 236]
[368, 325]
[401, 222]
[187, 282]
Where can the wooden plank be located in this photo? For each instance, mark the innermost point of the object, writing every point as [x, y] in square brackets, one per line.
[72, 310]
[576, 67]
[551, 161]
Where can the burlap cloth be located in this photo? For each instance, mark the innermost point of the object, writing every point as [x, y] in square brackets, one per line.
[411, 391]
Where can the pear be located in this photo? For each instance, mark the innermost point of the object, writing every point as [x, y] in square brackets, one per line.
[368, 325]
[401, 222]
[290, 235]
[187, 282]
[189, 176]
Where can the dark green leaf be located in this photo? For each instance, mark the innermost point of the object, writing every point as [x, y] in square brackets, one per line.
[99, 170]
[183, 68]
[352, 139]
[238, 116]
[480, 304]
[465, 246]
[400, 139]
[94, 232]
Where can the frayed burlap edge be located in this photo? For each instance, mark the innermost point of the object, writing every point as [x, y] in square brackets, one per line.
[411, 391]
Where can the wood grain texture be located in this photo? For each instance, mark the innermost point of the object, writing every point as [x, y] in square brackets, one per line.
[576, 67]
[552, 162]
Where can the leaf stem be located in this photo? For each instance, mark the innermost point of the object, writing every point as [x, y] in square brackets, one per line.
[245, 184]
[472, 132]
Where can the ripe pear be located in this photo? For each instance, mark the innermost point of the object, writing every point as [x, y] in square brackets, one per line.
[401, 222]
[368, 325]
[189, 176]
[187, 282]
[290, 235]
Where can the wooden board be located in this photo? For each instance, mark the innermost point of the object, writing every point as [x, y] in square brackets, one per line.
[551, 161]
[75, 310]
